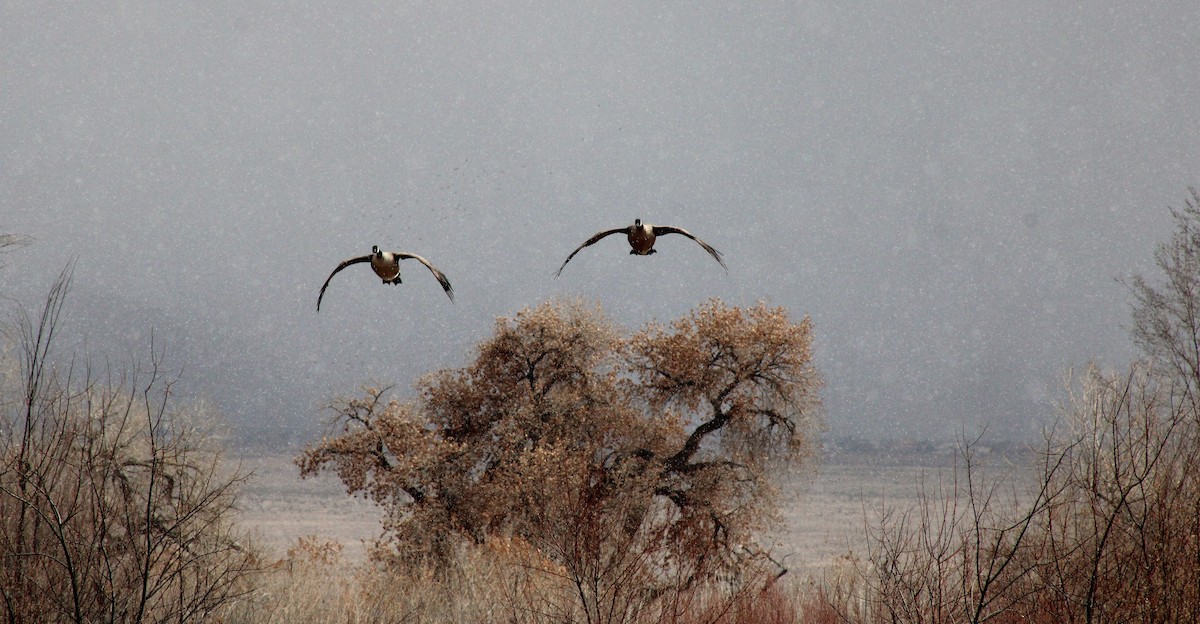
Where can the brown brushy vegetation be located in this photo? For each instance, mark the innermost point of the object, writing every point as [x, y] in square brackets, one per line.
[113, 503]
[1105, 526]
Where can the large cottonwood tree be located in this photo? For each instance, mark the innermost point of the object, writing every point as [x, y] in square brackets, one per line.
[655, 454]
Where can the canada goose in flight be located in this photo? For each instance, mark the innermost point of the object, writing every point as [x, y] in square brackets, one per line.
[641, 238]
[386, 265]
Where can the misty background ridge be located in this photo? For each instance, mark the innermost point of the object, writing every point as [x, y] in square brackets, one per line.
[950, 192]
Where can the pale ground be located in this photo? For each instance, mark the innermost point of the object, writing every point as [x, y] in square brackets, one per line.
[822, 521]
[280, 507]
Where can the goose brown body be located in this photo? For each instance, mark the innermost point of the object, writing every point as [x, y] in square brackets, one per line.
[386, 265]
[641, 238]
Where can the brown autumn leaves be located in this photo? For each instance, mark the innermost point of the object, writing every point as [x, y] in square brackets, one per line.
[652, 454]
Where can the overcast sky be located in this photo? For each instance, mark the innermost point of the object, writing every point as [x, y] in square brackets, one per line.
[949, 189]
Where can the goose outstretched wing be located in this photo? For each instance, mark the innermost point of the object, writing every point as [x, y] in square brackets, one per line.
[441, 277]
[344, 264]
[593, 239]
[659, 230]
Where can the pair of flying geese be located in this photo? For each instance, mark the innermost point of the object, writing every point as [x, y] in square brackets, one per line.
[641, 237]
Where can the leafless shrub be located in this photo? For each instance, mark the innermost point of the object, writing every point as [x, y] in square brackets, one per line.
[1102, 529]
[113, 503]
[1120, 543]
[961, 554]
[1166, 312]
[1106, 528]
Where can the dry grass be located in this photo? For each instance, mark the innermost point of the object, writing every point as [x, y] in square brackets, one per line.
[314, 584]
[316, 581]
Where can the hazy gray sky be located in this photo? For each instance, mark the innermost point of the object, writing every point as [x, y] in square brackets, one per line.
[949, 189]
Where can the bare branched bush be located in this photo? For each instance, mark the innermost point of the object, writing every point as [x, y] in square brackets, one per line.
[1166, 311]
[635, 467]
[113, 502]
[1102, 529]
[961, 554]
[1107, 526]
[1120, 543]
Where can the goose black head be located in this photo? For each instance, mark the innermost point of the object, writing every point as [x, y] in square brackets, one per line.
[637, 223]
[375, 250]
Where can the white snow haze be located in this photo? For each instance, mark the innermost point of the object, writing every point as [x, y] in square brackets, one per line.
[951, 190]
